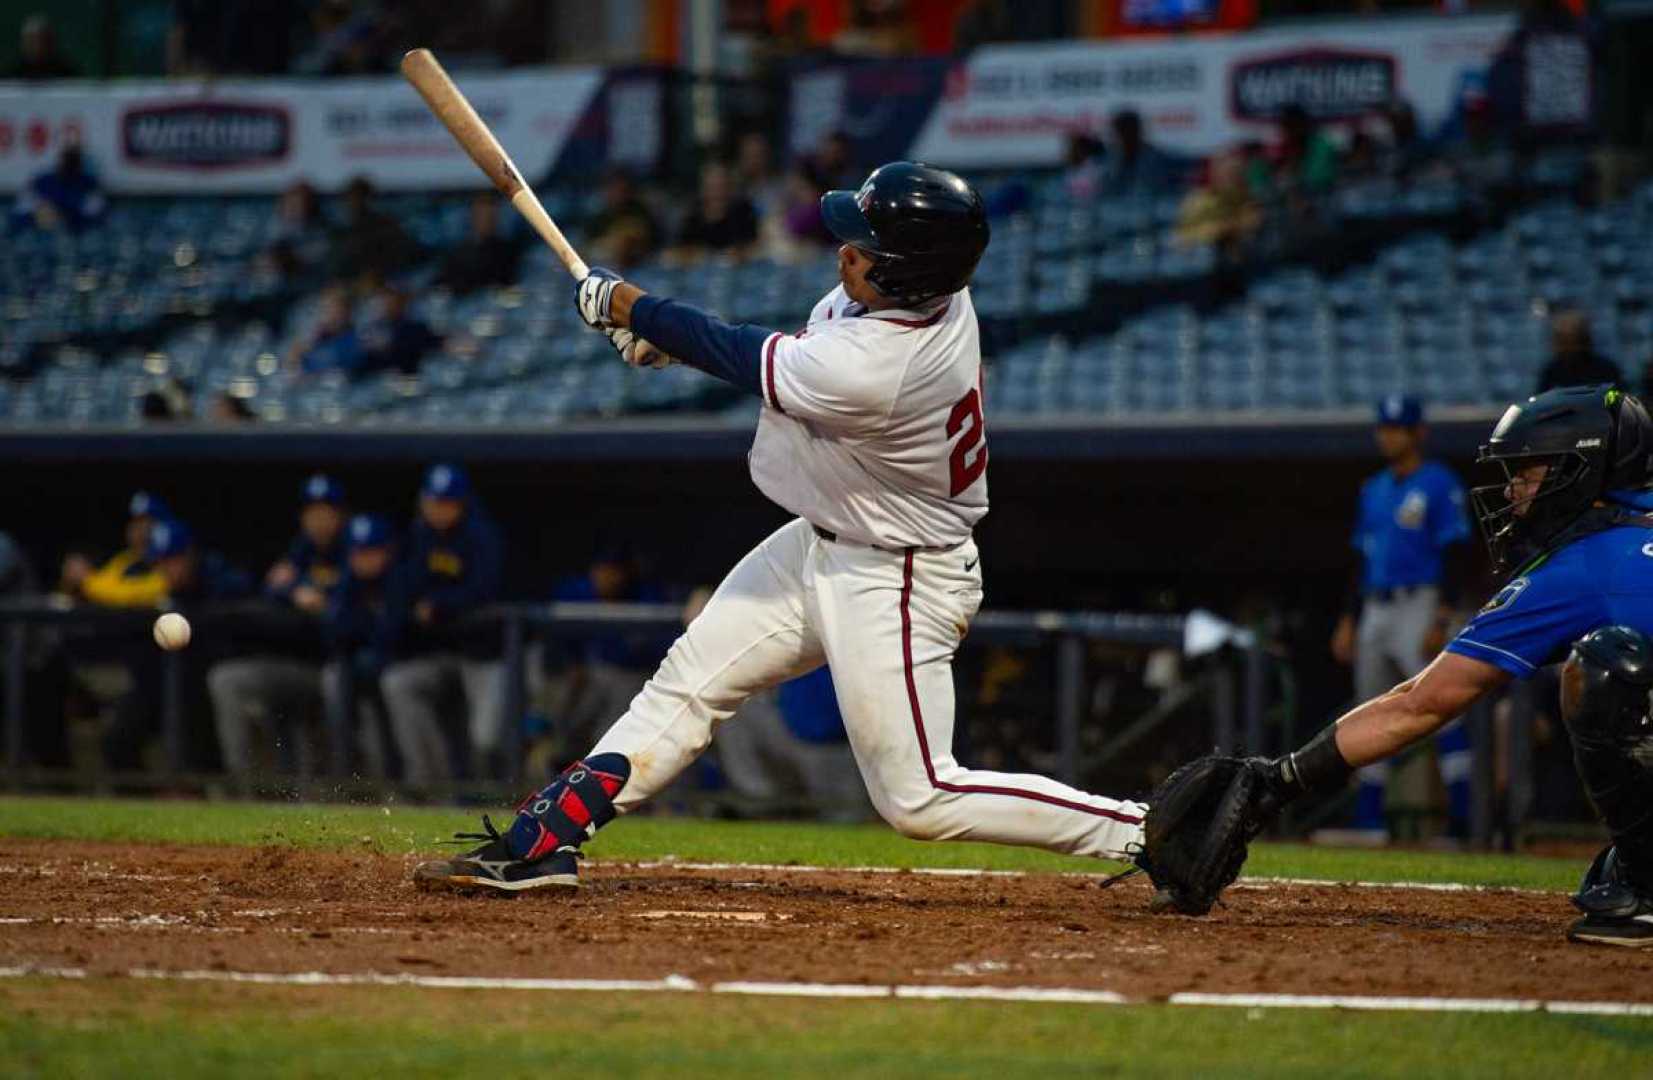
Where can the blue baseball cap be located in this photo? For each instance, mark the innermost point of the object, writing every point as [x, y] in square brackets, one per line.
[446, 482]
[168, 537]
[322, 488]
[368, 530]
[143, 504]
[1400, 410]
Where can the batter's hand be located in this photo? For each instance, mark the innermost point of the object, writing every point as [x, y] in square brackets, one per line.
[592, 295]
[636, 352]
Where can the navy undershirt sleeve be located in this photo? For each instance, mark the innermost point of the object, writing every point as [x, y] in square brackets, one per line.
[702, 340]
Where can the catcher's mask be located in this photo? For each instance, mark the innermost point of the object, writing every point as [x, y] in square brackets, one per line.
[1593, 438]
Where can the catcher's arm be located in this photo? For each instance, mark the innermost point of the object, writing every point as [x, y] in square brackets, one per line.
[1416, 709]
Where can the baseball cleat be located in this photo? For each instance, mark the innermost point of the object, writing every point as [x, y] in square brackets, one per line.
[491, 866]
[1616, 910]
[1625, 931]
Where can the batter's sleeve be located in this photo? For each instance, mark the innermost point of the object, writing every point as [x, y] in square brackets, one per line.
[701, 339]
[835, 375]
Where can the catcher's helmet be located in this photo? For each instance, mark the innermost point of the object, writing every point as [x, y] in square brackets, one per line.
[924, 227]
[1595, 440]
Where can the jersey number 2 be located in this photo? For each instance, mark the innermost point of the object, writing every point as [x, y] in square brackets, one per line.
[965, 468]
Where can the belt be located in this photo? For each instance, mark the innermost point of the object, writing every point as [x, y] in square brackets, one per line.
[829, 535]
[1398, 592]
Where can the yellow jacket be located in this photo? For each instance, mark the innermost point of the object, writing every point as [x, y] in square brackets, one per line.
[124, 581]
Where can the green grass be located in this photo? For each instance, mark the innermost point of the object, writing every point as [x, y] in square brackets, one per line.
[118, 1028]
[399, 829]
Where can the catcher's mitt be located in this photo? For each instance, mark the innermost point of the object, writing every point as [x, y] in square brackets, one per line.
[1199, 821]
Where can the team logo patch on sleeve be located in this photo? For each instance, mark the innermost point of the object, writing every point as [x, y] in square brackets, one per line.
[1504, 597]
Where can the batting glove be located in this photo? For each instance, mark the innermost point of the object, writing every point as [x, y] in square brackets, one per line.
[635, 351]
[592, 297]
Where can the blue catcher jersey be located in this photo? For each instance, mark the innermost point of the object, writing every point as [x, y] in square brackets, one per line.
[1600, 580]
[1405, 523]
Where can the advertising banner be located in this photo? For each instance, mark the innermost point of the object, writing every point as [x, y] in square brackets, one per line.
[1016, 105]
[260, 135]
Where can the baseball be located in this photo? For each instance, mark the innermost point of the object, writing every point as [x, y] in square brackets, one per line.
[172, 631]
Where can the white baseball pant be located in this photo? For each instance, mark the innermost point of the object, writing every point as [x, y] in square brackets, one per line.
[888, 623]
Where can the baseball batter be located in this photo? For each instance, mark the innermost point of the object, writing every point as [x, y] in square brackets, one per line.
[872, 433]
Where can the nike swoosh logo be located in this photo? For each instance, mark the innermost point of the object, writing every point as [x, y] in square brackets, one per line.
[971, 565]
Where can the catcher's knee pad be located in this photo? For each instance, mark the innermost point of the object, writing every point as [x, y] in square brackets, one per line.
[1605, 688]
[567, 811]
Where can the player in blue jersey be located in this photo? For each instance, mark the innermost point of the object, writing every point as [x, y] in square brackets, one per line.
[1572, 525]
[1410, 530]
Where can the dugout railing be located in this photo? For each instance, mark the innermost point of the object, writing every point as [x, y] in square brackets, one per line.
[1235, 687]
[1235, 683]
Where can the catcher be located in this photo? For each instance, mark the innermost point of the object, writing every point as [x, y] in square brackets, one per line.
[1573, 520]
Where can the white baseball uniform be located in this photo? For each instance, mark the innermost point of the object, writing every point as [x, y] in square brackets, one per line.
[872, 433]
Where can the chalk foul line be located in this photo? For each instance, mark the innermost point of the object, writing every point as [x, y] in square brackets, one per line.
[1037, 994]
[955, 871]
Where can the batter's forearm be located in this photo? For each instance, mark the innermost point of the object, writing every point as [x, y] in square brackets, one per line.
[620, 301]
[697, 338]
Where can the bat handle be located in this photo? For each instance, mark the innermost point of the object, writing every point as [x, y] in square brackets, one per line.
[530, 207]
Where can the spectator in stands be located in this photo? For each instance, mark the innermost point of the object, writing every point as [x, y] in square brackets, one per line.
[623, 232]
[1134, 167]
[722, 221]
[127, 579]
[392, 339]
[1085, 157]
[876, 28]
[1405, 151]
[64, 197]
[835, 163]
[1221, 212]
[605, 671]
[363, 628]
[192, 577]
[298, 233]
[212, 37]
[228, 408]
[166, 400]
[332, 343]
[1573, 357]
[452, 570]
[370, 241]
[756, 176]
[798, 231]
[1363, 161]
[484, 259]
[279, 686]
[1304, 160]
[1483, 160]
[38, 54]
[350, 39]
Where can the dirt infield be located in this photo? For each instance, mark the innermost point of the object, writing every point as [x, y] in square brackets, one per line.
[112, 908]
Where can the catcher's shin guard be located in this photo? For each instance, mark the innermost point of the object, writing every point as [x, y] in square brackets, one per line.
[569, 810]
[1604, 702]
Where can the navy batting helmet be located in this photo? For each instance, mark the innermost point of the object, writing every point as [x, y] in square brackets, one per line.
[924, 227]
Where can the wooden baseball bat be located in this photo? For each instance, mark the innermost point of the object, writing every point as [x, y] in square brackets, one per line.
[421, 69]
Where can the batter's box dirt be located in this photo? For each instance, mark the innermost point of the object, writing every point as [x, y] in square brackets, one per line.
[110, 908]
